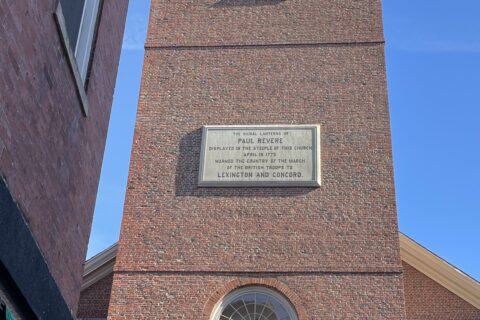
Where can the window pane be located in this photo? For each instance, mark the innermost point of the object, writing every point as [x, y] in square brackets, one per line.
[72, 12]
[256, 305]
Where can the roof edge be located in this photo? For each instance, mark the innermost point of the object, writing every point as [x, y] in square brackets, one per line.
[411, 253]
[440, 271]
[99, 266]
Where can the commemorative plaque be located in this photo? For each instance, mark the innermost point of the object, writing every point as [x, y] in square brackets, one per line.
[260, 156]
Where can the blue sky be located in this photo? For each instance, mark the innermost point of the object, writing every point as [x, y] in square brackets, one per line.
[433, 69]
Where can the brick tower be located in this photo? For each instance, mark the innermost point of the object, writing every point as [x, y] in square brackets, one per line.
[330, 252]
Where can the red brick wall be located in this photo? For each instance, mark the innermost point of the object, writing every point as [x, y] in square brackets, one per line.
[348, 223]
[426, 299]
[94, 300]
[292, 22]
[336, 246]
[50, 154]
[174, 297]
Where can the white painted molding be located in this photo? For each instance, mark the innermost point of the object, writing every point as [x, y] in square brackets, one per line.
[440, 271]
[99, 266]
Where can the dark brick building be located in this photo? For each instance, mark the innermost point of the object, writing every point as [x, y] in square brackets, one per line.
[58, 64]
[331, 252]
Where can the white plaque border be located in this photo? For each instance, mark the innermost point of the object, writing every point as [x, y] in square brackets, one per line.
[315, 182]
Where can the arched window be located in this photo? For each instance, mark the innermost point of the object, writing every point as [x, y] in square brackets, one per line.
[254, 303]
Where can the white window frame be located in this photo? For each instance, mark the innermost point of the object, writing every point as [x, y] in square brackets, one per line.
[80, 59]
[232, 296]
[83, 47]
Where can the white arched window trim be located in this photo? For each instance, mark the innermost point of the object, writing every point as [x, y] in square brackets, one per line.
[236, 294]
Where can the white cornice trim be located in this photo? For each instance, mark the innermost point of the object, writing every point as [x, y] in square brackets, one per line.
[99, 266]
[411, 253]
[440, 271]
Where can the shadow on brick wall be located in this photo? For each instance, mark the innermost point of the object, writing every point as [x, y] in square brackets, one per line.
[186, 176]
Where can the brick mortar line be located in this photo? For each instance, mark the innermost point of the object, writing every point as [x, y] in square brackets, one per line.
[261, 46]
[263, 274]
